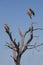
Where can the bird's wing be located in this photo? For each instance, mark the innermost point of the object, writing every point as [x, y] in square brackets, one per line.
[32, 11]
[6, 27]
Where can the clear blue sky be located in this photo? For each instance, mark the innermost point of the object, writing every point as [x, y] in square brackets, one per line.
[13, 12]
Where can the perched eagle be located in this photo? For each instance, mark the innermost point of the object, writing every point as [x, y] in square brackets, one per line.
[30, 12]
[6, 27]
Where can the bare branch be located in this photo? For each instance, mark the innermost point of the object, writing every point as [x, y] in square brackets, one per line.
[33, 30]
[9, 33]
[11, 47]
[22, 36]
[38, 29]
[20, 32]
[36, 36]
[12, 40]
[31, 37]
[34, 46]
[29, 30]
[26, 32]
[13, 58]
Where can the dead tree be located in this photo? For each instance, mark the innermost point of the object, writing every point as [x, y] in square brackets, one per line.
[20, 48]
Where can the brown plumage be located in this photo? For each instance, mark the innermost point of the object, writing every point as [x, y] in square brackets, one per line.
[6, 27]
[31, 12]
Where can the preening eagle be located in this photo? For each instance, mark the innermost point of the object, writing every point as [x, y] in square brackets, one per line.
[30, 12]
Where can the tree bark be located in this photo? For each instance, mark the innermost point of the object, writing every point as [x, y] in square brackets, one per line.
[18, 61]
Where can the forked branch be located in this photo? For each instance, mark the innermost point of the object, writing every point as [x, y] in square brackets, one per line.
[7, 29]
[19, 49]
[31, 37]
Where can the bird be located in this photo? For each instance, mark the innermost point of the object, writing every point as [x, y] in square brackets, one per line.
[6, 27]
[30, 12]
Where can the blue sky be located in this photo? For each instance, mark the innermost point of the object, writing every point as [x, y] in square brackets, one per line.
[14, 13]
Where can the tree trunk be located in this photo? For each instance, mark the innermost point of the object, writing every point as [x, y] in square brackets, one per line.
[17, 63]
[18, 60]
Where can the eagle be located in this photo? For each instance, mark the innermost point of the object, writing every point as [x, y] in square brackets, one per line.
[6, 27]
[30, 12]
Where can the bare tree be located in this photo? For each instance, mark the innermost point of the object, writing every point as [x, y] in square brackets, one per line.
[20, 48]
